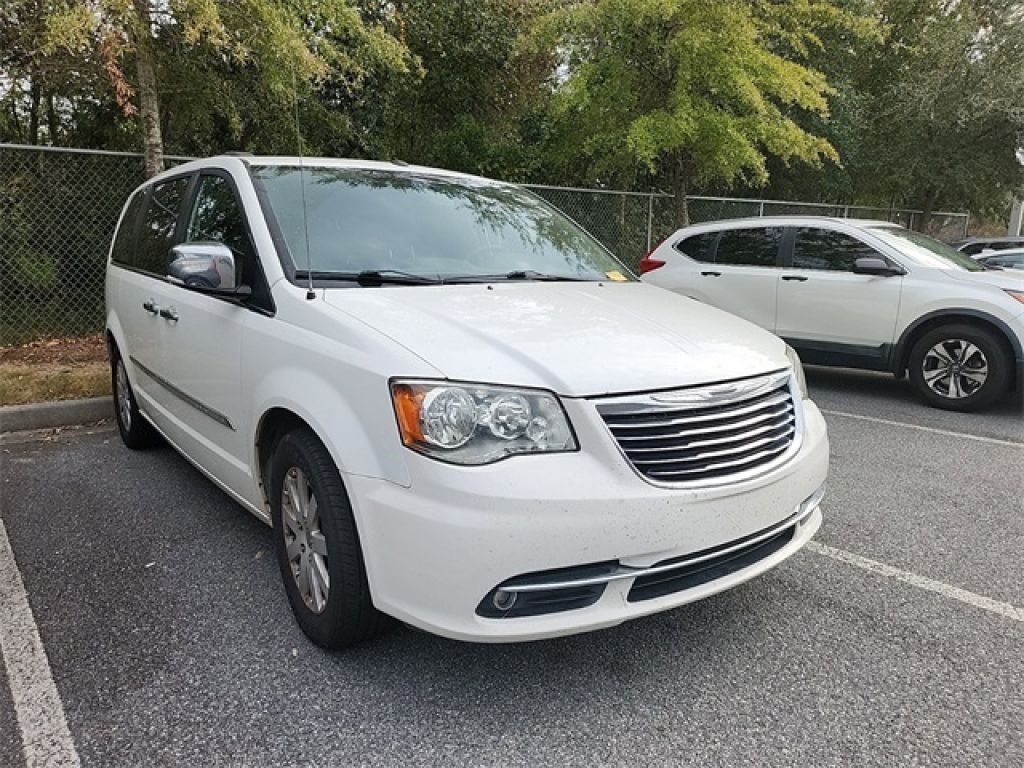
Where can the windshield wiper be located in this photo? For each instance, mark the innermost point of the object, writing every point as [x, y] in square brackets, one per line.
[372, 278]
[520, 274]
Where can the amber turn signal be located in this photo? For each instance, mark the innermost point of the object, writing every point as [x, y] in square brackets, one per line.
[408, 404]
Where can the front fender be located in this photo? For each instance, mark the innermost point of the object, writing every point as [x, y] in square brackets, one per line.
[362, 439]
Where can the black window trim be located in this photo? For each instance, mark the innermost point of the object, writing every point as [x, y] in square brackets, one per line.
[148, 191]
[181, 229]
[192, 193]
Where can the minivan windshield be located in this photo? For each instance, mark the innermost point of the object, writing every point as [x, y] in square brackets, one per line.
[926, 251]
[420, 228]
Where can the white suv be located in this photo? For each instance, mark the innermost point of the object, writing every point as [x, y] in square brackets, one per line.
[453, 406]
[862, 294]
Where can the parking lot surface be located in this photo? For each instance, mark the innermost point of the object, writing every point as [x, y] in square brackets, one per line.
[898, 639]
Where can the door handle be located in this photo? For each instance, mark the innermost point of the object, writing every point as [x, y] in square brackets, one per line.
[711, 274]
[169, 313]
[150, 307]
[798, 278]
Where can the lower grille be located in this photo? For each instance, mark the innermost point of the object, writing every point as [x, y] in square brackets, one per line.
[705, 433]
[687, 577]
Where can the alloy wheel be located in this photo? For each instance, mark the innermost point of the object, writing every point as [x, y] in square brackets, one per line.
[304, 540]
[124, 396]
[955, 368]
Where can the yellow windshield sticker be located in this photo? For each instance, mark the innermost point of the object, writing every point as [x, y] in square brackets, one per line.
[616, 276]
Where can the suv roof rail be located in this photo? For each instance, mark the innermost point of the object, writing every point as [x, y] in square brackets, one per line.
[237, 153]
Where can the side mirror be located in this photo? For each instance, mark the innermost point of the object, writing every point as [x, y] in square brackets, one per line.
[870, 265]
[207, 267]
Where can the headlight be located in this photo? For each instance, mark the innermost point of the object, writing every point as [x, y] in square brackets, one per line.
[479, 424]
[798, 369]
[1017, 295]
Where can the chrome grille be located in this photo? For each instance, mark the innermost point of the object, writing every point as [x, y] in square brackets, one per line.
[705, 433]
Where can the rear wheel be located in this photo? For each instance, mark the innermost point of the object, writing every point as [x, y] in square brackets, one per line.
[317, 545]
[959, 367]
[135, 431]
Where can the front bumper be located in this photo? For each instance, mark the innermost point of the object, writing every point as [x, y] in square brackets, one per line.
[436, 550]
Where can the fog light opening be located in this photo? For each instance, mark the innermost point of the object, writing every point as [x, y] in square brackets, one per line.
[503, 600]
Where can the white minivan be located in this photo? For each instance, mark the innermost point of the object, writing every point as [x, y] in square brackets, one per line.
[453, 405]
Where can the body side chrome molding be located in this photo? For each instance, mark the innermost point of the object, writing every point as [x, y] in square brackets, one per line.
[204, 409]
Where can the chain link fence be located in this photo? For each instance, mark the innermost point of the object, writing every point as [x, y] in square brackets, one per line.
[59, 207]
[942, 225]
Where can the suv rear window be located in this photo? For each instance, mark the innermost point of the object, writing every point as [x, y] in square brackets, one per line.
[749, 247]
[699, 247]
[157, 235]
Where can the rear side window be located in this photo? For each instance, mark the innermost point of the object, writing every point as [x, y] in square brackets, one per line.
[973, 248]
[815, 248]
[749, 247]
[157, 235]
[123, 251]
[699, 247]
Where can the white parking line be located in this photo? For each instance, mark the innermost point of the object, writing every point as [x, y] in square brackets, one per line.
[45, 738]
[921, 582]
[934, 430]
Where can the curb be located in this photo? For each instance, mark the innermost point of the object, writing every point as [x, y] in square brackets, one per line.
[61, 413]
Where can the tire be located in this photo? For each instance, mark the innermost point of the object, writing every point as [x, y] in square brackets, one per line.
[960, 367]
[136, 432]
[301, 470]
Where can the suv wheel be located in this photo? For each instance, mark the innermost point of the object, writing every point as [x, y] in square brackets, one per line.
[317, 545]
[959, 367]
[135, 431]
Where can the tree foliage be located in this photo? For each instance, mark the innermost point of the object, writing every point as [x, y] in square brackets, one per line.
[940, 111]
[903, 102]
[480, 105]
[691, 92]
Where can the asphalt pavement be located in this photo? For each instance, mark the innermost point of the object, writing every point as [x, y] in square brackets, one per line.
[170, 642]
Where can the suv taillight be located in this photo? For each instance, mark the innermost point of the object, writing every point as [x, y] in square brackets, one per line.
[647, 263]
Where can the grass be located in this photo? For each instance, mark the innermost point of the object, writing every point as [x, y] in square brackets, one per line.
[54, 369]
[21, 383]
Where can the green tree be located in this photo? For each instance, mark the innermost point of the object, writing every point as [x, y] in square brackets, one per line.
[940, 113]
[220, 61]
[689, 92]
[481, 98]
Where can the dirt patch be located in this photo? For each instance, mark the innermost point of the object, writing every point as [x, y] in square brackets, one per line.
[73, 349]
[54, 369]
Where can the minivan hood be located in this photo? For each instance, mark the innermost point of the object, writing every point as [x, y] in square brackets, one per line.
[578, 339]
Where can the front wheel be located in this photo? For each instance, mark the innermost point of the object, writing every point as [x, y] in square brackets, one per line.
[959, 367]
[317, 545]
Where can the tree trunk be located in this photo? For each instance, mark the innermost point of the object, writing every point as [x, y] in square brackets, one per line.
[680, 185]
[33, 113]
[52, 123]
[927, 206]
[149, 101]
